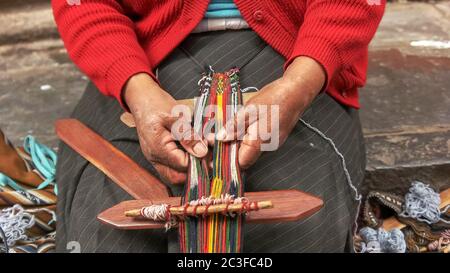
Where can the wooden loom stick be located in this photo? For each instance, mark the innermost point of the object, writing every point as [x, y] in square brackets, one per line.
[288, 205]
[115, 164]
[200, 210]
[392, 222]
[128, 119]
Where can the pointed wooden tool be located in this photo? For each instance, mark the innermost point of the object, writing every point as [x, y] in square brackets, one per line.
[116, 165]
[288, 205]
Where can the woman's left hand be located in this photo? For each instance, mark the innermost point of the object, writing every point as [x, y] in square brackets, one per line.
[267, 119]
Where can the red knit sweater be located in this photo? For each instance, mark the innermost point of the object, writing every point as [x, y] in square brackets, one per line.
[112, 40]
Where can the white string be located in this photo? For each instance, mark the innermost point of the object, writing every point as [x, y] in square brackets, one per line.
[247, 89]
[358, 196]
[160, 212]
[15, 221]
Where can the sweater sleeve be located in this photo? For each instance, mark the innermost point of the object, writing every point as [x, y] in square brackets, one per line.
[334, 32]
[101, 41]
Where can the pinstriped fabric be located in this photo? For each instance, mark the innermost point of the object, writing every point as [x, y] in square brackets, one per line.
[304, 162]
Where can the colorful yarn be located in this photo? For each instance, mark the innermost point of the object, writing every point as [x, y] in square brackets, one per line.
[216, 233]
[422, 203]
[7, 181]
[381, 241]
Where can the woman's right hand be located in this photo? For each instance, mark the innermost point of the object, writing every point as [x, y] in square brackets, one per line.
[151, 107]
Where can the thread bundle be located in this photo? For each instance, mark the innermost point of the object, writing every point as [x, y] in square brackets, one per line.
[381, 241]
[220, 96]
[422, 203]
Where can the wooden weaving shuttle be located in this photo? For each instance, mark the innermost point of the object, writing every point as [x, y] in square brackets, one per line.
[114, 163]
[288, 205]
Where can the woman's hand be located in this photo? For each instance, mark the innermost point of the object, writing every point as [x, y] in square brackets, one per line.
[151, 107]
[267, 130]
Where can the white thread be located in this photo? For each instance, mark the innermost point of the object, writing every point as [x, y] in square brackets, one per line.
[234, 147]
[155, 212]
[358, 196]
[161, 212]
[15, 221]
[245, 90]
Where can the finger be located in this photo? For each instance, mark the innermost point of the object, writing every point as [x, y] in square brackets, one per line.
[169, 175]
[182, 131]
[235, 128]
[249, 152]
[193, 144]
[167, 152]
[210, 139]
[250, 148]
[209, 160]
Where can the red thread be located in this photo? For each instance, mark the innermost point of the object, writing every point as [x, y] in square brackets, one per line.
[225, 212]
[206, 210]
[194, 211]
[168, 214]
[185, 209]
[244, 206]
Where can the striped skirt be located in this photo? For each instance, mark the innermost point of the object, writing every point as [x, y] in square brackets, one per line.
[305, 161]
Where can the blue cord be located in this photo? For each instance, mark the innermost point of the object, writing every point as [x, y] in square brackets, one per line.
[6, 181]
[44, 160]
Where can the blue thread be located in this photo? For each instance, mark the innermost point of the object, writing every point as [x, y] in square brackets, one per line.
[422, 203]
[222, 9]
[381, 241]
[44, 159]
[6, 181]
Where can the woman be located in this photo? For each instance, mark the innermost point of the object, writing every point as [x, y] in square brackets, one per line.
[147, 53]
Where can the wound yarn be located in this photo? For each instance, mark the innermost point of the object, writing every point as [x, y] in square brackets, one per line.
[161, 212]
[422, 203]
[381, 241]
[14, 222]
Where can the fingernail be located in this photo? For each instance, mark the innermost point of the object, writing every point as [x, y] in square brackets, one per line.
[221, 135]
[200, 149]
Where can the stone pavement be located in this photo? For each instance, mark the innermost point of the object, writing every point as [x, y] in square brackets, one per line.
[406, 102]
[405, 105]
